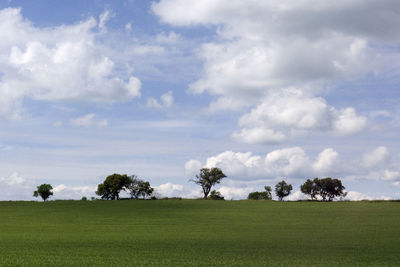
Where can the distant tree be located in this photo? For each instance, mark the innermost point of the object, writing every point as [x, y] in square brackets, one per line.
[282, 189]
[112, 186]
[265, 195]
[44, 191]
[207, 178]
[310, 188]
[330, 188]
[137, 187]
[215, 195]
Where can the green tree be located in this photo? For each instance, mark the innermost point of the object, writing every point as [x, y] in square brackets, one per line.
[44, 191]
[112, 186]
[137, 187]
[265, 195]
[282, 189]
[330, 188]
[311, 188]
[207, 178]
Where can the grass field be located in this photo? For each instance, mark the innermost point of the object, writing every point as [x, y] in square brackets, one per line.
[199, 233]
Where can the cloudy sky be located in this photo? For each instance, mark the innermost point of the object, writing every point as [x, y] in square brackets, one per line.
[265, 90]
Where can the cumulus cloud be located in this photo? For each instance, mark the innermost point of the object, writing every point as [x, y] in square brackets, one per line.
[292, 111]
[376, 157]
[192, 167]
[288, 162]
[15, 187]
[170, 190]
[65, 62]
[273, 45]
[63, 191]
[88, 120]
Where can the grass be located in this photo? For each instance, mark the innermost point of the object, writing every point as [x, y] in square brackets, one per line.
[199, 233]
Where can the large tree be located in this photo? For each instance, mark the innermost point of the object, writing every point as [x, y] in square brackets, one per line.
[138, 187]
[327, 188]
[282, 189]
[207, 178]
[44, 191]
[112, 186]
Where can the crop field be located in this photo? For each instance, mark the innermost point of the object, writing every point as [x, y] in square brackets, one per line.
[199, 233]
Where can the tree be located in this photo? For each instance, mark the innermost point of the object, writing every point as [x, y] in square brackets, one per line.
[330, 188]
[215, 195]
[282, 189]
[265, 195]
[310, 188]
[112, 186]
[207, 178]
[137, 187]
[44, 191]
[327, 188]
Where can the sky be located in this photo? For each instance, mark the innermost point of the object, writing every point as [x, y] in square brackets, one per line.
[264, 90]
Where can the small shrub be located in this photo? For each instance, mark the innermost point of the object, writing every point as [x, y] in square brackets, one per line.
[84, 198]
[215, 195]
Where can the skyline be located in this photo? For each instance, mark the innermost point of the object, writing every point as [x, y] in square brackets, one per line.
[263, 90]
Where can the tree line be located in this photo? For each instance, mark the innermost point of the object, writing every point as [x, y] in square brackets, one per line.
[326, 189]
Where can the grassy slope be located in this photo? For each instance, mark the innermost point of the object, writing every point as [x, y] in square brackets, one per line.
[196, 232]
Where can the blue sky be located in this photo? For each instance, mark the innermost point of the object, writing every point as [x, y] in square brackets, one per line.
[265, 90]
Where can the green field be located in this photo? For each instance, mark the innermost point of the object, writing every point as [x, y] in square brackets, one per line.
[199, 233]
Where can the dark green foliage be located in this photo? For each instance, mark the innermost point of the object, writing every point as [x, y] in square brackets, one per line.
[44, 191]
[282, 189]
[84, 198]
[265, 195]
[139, 188]
[207, 178]
[215, 195]
[310, 188]
[327, 188]
[112, 186]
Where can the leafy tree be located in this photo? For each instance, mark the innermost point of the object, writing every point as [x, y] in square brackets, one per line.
[310, 188]
[207, 178]
[266, 195]
[330, 188]
[282, 189]
[44, 191]
[137, 187]
[112, 186]
[215, 195]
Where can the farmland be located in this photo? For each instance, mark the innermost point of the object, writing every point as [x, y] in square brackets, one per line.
[199, 233]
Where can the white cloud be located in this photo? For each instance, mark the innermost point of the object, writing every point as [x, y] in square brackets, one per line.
[291, 111]
[88, 120]
[357, 196]
[63, 191]
[65, 62]
[234, 192]
[263, 47]
[377, 157]
[167, 99]
[170, 190]
[326, 161]
[15, 187]
[151, 102]
[192, 167]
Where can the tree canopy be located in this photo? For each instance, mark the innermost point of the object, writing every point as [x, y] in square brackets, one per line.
[139, 188]
[282, 189]
[44, 191]
[207, 178]
[327, 188]
[112, 186]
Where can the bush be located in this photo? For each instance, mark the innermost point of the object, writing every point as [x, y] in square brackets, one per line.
[259, 196]
[84, 198]
[215, 195]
